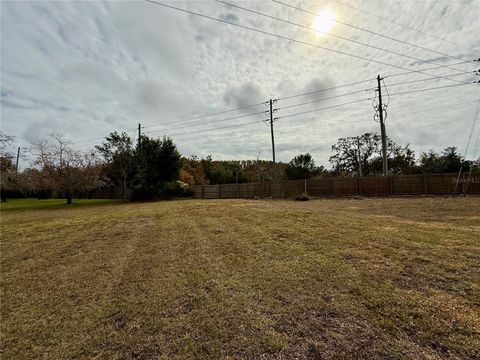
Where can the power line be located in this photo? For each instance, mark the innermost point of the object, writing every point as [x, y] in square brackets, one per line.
[426, 79]
[324, 108]
[287, 38]
[426, 89]
[332, 35]
[207, 115]
[208, 122]
[259, 121]
[370, 31]
[431, 68]
[324, 99]
[213, 129]
[260, 112]
[326, 89]
[402, 25]
[436, 107]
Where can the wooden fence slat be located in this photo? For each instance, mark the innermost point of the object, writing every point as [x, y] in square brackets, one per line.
[422, 184]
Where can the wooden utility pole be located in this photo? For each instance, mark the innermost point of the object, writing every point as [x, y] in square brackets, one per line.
[18, 156]
[382, 128]
[139, 134]
[271, 120]
[359, 158]
[273, 138]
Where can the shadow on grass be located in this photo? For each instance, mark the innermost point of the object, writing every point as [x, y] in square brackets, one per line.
[54, 204]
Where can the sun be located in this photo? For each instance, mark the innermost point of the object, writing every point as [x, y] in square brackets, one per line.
[324, 21]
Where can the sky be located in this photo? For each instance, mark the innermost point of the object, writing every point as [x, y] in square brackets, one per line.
[86, 68]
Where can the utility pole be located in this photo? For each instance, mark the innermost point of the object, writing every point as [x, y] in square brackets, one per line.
[18, 156]
[139, 134]
[271, 120]
[359, 157]
[382, 128]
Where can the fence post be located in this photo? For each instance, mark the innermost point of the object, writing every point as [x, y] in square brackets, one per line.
[305, 185]
[390, 184]
[425, 188]
[359, 186]
[219, 191]
[283, 190]
[331, 187]
[203, 191]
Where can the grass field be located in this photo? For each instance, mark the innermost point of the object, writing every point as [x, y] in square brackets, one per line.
[372, 278]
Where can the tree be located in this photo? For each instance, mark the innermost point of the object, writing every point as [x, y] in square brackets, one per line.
[302, 167]
[401, 160]
[355, 150]
[67, 169]
[366, 150]
[192, 171]
[449, 161]
[119, 154]
[158, 162]
[7, 168]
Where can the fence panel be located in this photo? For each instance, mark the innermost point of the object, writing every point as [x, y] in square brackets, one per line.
[409, 185]
[211, 191]
[442, 184]
[473, 185]
[437, 184]
[372, 186]
[344, 186]
[293, 188]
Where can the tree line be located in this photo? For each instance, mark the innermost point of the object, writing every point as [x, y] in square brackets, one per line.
[153, 168]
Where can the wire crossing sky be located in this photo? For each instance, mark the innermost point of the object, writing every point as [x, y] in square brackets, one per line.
[85, 69]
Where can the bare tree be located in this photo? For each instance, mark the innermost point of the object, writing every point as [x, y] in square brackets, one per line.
[68, 169]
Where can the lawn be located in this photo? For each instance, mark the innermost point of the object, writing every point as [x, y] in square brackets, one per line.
[388, 278]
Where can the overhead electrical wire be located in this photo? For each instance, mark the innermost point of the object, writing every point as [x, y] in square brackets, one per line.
[431, 68]
[402, 25]
[261, 121]
[435, 108]
[425, 89]
[370, 31]
[285, 37]
[207, 115]
[262, 112]
[332, 35]
[208, 122]
[426, 79]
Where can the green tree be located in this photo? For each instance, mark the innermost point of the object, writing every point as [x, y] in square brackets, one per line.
[449, 161]
[119, 154]
[351, 151]
[158, 162]
[302, 167]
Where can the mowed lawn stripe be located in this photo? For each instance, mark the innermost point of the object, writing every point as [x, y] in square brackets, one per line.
[243, 279]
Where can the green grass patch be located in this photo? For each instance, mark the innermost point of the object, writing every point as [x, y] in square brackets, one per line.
[41, 204]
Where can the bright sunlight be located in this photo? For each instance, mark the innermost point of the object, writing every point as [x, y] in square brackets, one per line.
[324, 21]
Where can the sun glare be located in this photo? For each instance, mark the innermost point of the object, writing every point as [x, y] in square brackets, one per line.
[324, 21]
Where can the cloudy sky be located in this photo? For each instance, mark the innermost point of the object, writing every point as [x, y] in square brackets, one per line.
[86, 68]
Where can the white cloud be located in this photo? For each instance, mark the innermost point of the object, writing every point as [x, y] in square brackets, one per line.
[87, 68]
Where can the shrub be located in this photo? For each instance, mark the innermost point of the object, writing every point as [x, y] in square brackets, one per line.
[302, 197]
[176, 189]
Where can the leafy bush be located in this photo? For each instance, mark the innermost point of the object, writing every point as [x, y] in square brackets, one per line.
[176, 189]
[302, 197]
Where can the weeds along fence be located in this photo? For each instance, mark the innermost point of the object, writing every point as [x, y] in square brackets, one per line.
[435, 184]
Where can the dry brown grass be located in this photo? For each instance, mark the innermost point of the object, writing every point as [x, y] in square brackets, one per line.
[372, 278]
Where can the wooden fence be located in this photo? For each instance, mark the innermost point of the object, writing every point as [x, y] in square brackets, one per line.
[435, 184]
